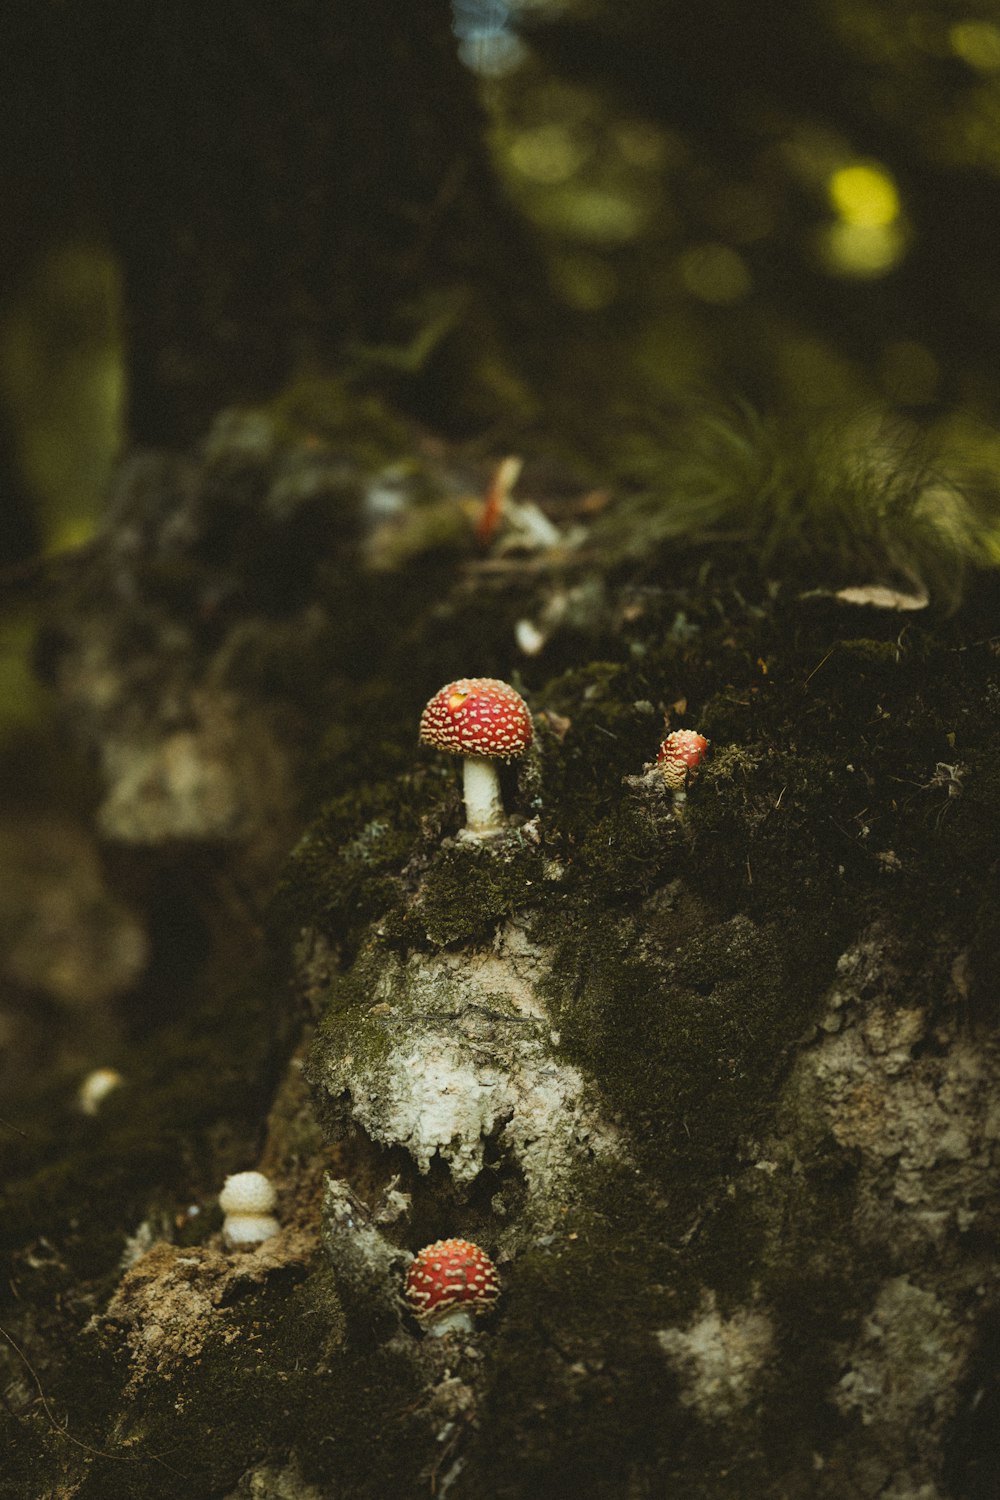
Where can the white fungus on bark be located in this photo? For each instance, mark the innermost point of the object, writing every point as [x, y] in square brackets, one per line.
[466, 1065]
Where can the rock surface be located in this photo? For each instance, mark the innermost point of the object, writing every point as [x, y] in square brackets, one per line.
[712, 1081]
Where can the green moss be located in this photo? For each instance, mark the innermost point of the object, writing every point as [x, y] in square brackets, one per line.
[469, 888]
[686, 1022]
[852, 499]
[346, 868]
[610, 734]
[578, 1394]
[639, 844]
[572, 1391]
[272, 1376]
[350, 1026]
[358, 426]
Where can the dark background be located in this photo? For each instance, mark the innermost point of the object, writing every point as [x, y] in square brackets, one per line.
[566, 220]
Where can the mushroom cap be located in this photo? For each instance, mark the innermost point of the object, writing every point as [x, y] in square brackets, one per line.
[477, 716]
[247, 1193]
[680, 756]
[447, 1275]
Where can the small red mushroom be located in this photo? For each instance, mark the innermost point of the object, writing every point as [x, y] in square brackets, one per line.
[449, 1284]
[680, 757]
[483, 720]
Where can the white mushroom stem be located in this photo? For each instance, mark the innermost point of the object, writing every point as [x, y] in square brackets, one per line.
[239, 1230]
[483, 804]
[455, 1320]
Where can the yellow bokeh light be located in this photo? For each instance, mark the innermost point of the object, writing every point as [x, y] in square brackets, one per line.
[62, 383]
[595, 214]
[861, 250]
[864, 196]
[68, 534]
[549, 154]
[976, 43]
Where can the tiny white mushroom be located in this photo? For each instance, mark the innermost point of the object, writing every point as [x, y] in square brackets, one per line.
[247, 1199]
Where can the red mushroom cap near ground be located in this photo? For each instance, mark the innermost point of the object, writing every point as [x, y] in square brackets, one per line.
[450, 1274]
[477, 716]
[680, 757]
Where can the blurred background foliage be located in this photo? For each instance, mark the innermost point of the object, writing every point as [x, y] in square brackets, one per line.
[62, 376]
[796, 202]
[793, 207]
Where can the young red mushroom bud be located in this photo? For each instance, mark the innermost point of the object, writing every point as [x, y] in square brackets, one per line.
[449, 1285]
[680, 758]
[483, 720]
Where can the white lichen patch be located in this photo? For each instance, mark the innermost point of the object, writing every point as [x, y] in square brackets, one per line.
[903, 1379]
[275, 1481]
[507, 976]
[361, 1254]
[169, 788]
[906, 1086]
[897, 1080]
[63, 932]
[907, 1359]
[719, 1361]
[455, 1052]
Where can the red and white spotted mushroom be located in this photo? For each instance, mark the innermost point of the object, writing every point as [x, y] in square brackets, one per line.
[484, 720]
[449, 1284]
[680, 757]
